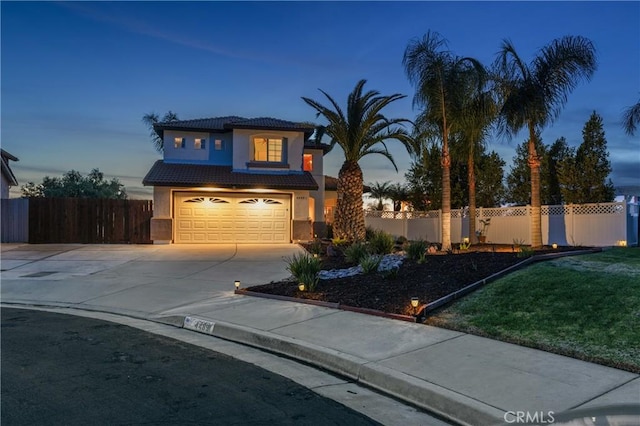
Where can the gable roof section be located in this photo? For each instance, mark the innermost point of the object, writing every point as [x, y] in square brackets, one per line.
[228, 123]
[187, 175]
[6, 170]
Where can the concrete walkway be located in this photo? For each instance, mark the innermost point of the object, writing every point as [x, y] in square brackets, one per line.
[468, 379]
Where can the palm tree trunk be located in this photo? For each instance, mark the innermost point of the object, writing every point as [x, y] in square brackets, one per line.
[471, 173]
[446, 196]
[536, 213]
[349, 218]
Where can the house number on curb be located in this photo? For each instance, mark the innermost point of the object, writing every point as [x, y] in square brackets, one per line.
[199, 325]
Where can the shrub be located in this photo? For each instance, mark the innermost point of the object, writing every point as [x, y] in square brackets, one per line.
[316, 247]
[370, 263]
[381, 243]
[355, 253]
[369, 233]
[416, 250]
[305, 269]
[401, 240]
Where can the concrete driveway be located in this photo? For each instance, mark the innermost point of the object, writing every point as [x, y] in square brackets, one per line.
[139, 280]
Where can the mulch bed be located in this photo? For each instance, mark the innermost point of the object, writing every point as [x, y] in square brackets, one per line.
[438, 276]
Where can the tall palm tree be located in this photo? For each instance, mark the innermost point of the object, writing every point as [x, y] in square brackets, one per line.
[153, 118]
[534, 94]
[361, 131]
[479, 114]
[379, 191]
[631, 119]
[439, 77]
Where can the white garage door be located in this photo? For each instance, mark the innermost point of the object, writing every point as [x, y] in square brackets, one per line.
[232, 218]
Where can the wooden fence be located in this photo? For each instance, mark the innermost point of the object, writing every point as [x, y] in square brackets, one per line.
[89, 221]
[15, 220]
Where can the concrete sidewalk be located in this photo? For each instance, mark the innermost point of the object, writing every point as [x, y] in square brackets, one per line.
[465, 378]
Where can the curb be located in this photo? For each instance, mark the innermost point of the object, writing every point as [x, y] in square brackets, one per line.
[332, 305]
[428, 396]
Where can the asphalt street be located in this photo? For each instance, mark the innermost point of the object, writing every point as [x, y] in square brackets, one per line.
[67, 370]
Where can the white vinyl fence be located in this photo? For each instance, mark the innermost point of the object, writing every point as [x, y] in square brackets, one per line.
[599, 225]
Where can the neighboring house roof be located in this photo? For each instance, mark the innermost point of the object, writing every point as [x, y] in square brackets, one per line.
[6, 170]
[331, 184]
[228, 123]
[187, 175]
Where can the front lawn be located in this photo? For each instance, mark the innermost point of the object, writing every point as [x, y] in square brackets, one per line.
[587, 307]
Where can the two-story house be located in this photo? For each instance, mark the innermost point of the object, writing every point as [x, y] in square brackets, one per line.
[8, 179]
[237, 180]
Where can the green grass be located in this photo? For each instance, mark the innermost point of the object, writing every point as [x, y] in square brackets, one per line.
[584, 306]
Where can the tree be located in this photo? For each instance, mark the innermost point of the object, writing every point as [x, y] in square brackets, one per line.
[73, 185]
[441, 79]
[519, 177]
[592, 158]
[398, 194]
[631, 119]
[379, 191]
[153, 118]
[479, 113]
[534, 94]
[557, 156]
[360, 132]
[490, 187]
[424, 178]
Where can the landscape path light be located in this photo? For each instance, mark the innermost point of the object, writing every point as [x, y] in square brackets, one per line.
[415, 302]
[236, 283]
[554, 245]
[301, 286]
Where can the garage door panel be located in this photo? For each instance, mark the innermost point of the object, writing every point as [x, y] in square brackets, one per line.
[226, 218]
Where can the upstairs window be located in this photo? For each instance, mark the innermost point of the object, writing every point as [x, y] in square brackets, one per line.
[200, 143]
[267, 149]
[307, 162]
[179, 143]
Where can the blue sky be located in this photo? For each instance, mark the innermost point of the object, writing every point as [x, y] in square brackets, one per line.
[77, 77]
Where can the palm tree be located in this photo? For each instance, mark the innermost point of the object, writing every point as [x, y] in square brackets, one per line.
[358, 133]
[631, 118]
[439, 77]
[153, 118]
[534, 94]
[479, 113]
[379, 191]
[398, 194]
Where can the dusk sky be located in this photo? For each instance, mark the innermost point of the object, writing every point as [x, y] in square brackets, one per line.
[77, 77]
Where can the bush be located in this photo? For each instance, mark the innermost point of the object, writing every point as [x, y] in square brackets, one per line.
[416, 250]
[305, 269]
[381, 243]
[316, 247]
[401, 240]
[370, 263]
[369, 232]
[355, 253]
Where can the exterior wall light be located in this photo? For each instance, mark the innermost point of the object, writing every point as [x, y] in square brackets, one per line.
[236, 283]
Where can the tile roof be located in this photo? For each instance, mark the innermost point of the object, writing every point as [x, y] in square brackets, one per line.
[234, 122]
[185, 175]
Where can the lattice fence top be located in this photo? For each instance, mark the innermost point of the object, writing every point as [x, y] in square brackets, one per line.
[516, 211]
[609, 208]
[505, 212]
